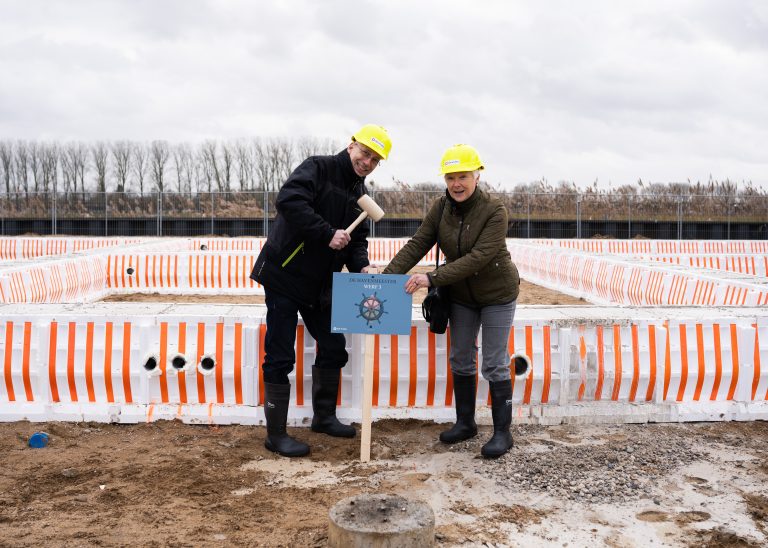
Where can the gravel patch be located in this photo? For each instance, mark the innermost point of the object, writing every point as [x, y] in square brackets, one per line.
[621, 466]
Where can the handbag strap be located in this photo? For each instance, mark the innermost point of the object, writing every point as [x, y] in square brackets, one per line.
[437, 233]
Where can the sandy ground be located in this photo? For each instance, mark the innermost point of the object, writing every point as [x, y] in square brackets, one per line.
[529, 294]
[170, 484]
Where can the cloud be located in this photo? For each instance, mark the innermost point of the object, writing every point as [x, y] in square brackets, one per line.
[662, 91]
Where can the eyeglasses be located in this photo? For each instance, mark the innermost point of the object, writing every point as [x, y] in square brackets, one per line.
[368, 155]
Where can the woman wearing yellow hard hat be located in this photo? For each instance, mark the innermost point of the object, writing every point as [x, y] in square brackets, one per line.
[470, 228]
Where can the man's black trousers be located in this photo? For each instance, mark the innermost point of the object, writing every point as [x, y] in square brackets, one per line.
[282, 318]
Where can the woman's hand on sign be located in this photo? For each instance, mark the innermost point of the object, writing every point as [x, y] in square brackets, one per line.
[416, 282]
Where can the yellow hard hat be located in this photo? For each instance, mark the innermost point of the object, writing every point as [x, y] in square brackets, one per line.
[374, 137]
[460, 158]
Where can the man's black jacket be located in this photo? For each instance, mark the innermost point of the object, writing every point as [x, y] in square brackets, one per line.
[318, 198]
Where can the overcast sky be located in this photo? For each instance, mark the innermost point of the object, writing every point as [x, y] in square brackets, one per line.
[578, 91]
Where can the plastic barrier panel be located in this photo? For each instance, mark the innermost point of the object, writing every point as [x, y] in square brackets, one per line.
[614, 362]
[702, 362]
[19, 355]
[754, 264]
[660, 247]
[15, 248]
[65, 280]
[185, 272]
[226, 244]
[383, 250]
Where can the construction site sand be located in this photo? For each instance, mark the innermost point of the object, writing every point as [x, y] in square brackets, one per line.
[529, 294]
[171, 484]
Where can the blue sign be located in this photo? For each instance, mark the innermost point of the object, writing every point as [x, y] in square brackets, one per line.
[370, 303]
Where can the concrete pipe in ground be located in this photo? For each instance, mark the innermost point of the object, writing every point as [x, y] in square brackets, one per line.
[381, 521]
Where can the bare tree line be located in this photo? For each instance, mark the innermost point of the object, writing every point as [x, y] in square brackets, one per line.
[705, 200]
[157, 166]
[541, 199]
[263, 164]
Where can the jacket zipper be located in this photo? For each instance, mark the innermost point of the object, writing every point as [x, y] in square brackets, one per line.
[292, 255]
[458, 249]
[458, 240]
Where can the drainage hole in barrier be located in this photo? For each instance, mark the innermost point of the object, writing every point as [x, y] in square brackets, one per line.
[178, 362]
[129, 270]
[203, 247]
[207, 363]
[150, 364]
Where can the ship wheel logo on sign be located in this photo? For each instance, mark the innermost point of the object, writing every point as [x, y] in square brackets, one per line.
[371, 308]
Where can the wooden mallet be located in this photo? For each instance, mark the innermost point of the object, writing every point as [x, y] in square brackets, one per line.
[370, 209]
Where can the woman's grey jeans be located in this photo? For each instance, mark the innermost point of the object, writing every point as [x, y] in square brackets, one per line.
[496, 321]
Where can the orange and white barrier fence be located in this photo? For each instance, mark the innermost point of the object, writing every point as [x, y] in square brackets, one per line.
[155, 361]
[182, 272]
[383, 250]
[607, 280]
[711, 362]
[65, 280]
[198, 368]
[681, 361]
[659, 247]
[380, 250]
[15, 248]
[225, 244]
[755, 264]
[161, 265]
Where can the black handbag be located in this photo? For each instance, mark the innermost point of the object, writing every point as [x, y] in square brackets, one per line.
[436, 307]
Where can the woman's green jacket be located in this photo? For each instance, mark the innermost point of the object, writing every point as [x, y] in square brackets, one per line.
[478, 267]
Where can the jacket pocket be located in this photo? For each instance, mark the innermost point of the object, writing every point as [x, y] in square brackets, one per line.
[493, 282]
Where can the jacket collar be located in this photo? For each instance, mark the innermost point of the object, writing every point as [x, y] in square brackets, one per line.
[345, 162]
[466, 205]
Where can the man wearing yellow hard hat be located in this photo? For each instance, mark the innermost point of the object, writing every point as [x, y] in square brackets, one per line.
[306, 245]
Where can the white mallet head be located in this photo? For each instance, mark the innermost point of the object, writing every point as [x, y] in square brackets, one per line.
[370, 209]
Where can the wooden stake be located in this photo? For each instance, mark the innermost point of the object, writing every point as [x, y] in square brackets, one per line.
[365, 434]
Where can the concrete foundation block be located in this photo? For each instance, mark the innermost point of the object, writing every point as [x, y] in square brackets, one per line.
[381, 521]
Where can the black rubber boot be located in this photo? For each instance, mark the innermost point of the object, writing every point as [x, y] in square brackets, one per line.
[325, 391]
[276, 397]
[501, 410]
[464, 393]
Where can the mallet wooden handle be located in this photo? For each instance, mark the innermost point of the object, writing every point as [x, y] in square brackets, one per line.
[357, 221]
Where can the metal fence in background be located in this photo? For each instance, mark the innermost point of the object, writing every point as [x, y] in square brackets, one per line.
[552, 215]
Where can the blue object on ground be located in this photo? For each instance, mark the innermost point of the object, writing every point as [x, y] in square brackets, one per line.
[38, 440]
